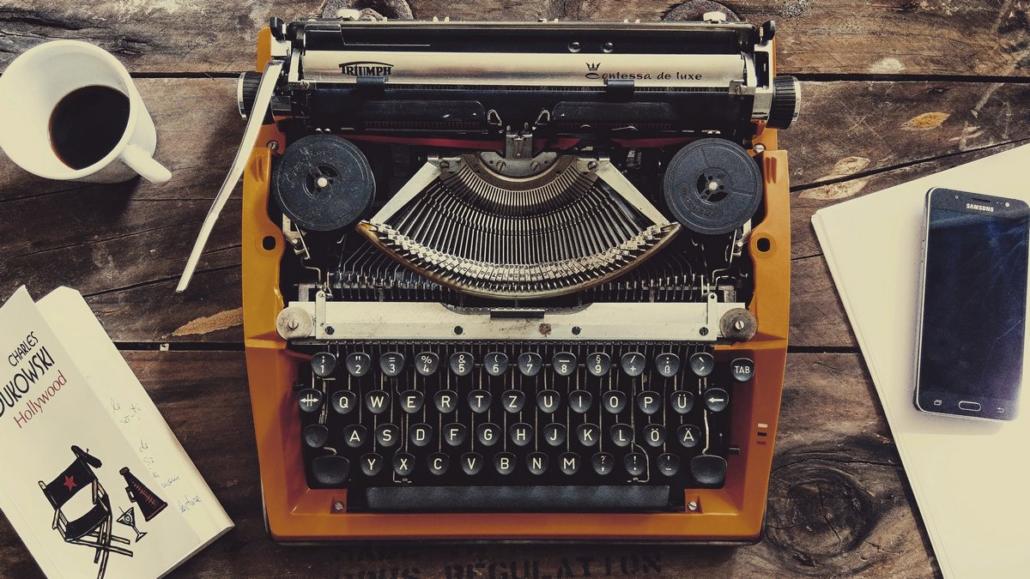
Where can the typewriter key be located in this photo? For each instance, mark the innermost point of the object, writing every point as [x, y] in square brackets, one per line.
[598, 364]
[654, 435]
[530, 363]
[488, 434]
[479, 401]
[355, 435]
[471, 463]
[548, 401]
[439, 463]
[668, 464]
[377, 401]
[614, 401]
[310, 400]
[461, 363]
[587, 434]
[371, 464]
[316, 435]
[635, 463]
[712, 186]
[682, 401]
[344, 401]
[580, 401]
[537, 463]
[716, 399]
[330, 469]
[323, 364]
[445, 401]
[708, 469]
[391, 363]
[454, 434]
[569, 463]
[743, 369]
[702, 364]
[564, 363]
[648, 402]
[387, 435]
[323, 183]
[521, 434]
[426, 363]
[633, 363]
[412, 401]
[420, 435]
[622, 435]
[602, 463]
[403, 463]
[504, 463]
[495, 363]
[668, 364]
[514, 401]
[688, 435]
[358, 363]
[554, 434]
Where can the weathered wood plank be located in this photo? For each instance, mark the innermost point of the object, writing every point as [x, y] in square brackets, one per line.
[957, 37]
[837, 502]
[124, 245]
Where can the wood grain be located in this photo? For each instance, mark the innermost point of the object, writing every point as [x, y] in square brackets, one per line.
[891, 37]
[123, 246]
[837, 503]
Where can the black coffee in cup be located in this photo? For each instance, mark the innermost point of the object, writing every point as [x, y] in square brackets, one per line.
[87, 124]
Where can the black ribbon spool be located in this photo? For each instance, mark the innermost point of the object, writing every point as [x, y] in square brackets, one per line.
[712, 186]
[324, 183]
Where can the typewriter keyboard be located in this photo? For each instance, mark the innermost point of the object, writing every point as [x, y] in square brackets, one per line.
[516, 426]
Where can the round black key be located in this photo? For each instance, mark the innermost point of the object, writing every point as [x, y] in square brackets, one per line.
[635, 463]
[702, 364]
[355, 435]
[530, 363]
[479, 401]
[330, 470]
[598, 364]
[372, 464]
[649, 402]
[388, 435]
[681, 401]
[438, 463]
[513, 401]
[569, 463]
[323, 364]
[454, 433]
[412, 401]
[654, 435]
[471, 463]
[602, 463]
[403, 463]
[716, 399]
[554, 434]
[622, 435]
[504, 463]
[633, 363]
[588, 434]
[426, 363]
[316, 435]
[488, 433]
[668, 364]
[668, 464]
[446, 401]
[708, 469]
[420, 434]
[537, 462]
[377, 401]
[344, 401]
[614, 401]
[548, 401]
[461, 363]
[580, 401]
[743, 369]
[495, 363]
[310, 400]
[564, 363]
[391, 363]
[358, 364]
[520, 434]
[688, 435]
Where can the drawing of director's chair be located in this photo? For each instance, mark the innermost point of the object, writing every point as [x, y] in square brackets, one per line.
[92, 529]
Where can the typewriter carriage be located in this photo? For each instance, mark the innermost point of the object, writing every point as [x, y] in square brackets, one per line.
[296, 512]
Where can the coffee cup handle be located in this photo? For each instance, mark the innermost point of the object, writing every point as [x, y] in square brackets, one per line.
[141, 162]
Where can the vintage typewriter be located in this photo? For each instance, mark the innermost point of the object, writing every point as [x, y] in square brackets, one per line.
[515, 280]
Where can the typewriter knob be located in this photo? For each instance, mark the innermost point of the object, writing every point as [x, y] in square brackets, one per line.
[738, 325]
[785, 102]
[246, 91]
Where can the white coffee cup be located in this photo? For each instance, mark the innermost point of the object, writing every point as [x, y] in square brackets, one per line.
[33, 85]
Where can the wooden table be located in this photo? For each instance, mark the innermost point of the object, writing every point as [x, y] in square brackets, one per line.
[892, 90]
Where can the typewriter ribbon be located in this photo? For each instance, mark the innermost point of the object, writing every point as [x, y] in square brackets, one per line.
[575, 298]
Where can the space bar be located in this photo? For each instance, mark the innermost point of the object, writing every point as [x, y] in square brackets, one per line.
[500, 499]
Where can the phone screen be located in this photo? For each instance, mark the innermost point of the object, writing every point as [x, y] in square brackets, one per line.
[974, 304]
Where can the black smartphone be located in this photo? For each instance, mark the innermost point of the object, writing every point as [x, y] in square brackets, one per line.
[972, 307]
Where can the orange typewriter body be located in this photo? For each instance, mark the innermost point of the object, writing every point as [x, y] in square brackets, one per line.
[296, 512]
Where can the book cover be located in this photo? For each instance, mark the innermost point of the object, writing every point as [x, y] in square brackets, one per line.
[93, 480]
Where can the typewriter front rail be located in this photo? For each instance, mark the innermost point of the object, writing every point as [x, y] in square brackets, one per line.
[296, 512]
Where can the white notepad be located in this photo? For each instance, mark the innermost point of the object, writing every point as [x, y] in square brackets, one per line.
[93, 480]
[971, 479]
